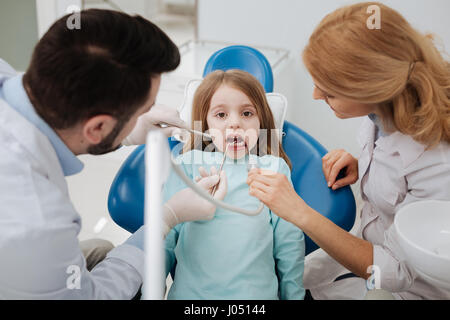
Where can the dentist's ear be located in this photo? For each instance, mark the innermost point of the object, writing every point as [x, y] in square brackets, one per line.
[97, 128]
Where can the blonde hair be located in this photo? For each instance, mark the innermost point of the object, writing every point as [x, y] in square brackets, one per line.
[395, 67]
[253, 89]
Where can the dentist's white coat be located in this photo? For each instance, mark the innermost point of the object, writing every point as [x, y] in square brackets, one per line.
[394, 170]
[40, 257]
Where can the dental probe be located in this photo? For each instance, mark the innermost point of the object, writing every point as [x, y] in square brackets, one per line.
[165, 125]
[221, 166]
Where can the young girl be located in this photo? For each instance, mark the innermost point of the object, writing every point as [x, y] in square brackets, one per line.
[234, 256]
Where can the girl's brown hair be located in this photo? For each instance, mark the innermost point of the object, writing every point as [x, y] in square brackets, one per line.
[396, 67]
[253, 89]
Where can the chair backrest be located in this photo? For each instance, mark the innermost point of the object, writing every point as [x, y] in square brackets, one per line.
[309, 181]
[243, 58]
[127, 193]
[126, 197]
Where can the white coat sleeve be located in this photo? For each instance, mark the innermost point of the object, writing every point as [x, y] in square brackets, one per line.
[54, 268]
[40, 253]
[427, 178]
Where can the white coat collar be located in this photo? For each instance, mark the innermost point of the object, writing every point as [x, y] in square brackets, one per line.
[16, 97]
[31, 139]
[408, 149]
[366, 132]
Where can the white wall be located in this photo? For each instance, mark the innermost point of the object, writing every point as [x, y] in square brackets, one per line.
[48, 11]
[288, 24]
[18, 32]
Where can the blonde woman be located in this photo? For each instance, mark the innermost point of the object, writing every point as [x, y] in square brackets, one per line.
[395, 77]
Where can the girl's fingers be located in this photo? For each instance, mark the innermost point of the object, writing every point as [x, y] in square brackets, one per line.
[203, 172]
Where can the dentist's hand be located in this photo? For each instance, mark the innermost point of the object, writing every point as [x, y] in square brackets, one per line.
[336, 160]
[187, 205]
[150, 120]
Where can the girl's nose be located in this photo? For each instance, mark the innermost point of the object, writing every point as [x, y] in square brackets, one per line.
[234, 121]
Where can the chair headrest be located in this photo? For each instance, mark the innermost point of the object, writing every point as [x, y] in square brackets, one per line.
[243, 58]
[277, 103]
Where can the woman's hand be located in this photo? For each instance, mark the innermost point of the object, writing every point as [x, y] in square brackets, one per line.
[276, 192]
[333, 162]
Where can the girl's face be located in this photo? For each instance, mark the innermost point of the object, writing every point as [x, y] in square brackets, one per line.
[232, 119]
[343, 108]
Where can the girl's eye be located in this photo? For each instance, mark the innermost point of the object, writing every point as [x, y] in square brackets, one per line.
[247, 113]
[221, 115]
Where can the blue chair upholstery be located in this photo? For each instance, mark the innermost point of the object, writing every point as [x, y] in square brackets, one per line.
[126, 197]
[243, 58]
[127, 192]
[309, 181]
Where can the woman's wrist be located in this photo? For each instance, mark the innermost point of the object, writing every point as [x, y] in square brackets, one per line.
[300, 214]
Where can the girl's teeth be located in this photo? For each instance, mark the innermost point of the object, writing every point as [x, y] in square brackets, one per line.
[239, 144]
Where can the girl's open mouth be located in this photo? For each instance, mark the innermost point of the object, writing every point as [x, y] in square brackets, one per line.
[236, 142]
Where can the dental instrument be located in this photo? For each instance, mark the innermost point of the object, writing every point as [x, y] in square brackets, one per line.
[221, 167]
[207, 136]
[207, 196]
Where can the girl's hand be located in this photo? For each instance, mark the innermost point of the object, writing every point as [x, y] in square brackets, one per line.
[333, 162]
[276, 192]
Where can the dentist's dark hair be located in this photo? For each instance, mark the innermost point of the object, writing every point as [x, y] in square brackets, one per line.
[104, 67]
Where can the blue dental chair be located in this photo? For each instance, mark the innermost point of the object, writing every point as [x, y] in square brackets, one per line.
[126, 196]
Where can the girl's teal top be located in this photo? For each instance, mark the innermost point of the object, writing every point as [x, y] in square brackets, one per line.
[234, 256]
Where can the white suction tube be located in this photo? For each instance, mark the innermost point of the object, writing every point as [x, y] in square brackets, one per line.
[207, 196]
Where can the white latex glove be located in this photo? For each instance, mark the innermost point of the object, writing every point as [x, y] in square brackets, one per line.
[187, 205]
[150, 120]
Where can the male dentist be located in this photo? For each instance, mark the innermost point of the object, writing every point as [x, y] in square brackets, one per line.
[84, 92]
